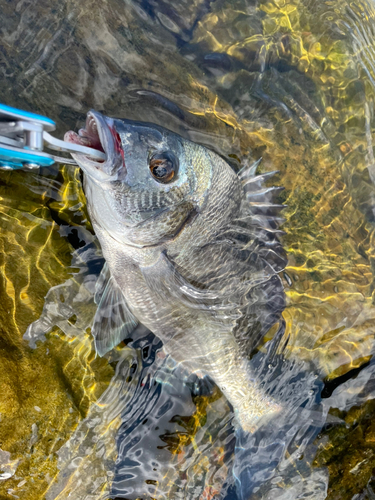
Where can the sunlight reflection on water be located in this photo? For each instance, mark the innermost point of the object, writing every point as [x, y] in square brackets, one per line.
[291, 82]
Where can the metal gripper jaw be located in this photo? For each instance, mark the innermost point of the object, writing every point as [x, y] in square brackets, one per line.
[24, 135]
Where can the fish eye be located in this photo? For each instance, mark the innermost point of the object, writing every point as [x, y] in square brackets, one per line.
[163, 166]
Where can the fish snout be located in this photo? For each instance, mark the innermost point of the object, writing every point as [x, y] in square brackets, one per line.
[99, 133]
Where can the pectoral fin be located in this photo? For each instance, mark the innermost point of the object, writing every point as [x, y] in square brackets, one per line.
[165, 280]
[113, 320]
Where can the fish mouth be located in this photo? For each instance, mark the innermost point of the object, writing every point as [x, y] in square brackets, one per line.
[99, 133]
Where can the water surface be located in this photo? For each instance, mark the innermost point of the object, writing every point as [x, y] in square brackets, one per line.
[291, 82]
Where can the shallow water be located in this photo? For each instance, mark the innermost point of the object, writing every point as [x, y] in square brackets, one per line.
[289, 81]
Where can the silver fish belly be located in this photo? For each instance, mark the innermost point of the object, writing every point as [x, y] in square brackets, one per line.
[192, 253]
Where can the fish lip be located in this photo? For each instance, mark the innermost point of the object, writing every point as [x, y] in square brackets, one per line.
[99, 133]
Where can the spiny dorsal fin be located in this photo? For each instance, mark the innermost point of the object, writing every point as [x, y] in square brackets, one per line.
[253, 183]
[248, 171]
[268, 236]
[263, 194]
[267, 209]
[260, 198]
[113, 320]
[263, 222]
[266, 204]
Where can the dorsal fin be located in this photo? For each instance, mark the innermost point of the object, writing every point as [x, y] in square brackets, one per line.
[262, 221]
[254, 234]
[254, 183]
[260, 198]
[262, 194]
[113, 320]
[267, 236]
[248, 171]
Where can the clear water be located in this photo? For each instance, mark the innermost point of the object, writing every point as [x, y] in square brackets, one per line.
[289, 81]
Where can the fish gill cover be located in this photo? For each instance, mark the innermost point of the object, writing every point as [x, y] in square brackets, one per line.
[291, 82]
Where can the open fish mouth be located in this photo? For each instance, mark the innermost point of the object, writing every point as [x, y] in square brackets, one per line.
[99, 133]
[88, 136]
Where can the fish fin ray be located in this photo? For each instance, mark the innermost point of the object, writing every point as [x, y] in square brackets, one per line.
[263, 194]
[253, 237]
[259, 198]
[248, 171]
[165, 280]
[257, 181]
[113, 320]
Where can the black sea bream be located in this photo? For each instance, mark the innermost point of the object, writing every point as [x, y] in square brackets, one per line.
[191, 249]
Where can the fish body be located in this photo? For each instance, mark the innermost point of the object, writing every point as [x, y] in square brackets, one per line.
[191, 251]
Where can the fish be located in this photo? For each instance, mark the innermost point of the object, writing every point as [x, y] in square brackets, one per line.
[192, 251]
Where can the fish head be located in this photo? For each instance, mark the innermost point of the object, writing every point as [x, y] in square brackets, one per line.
[151, 184]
